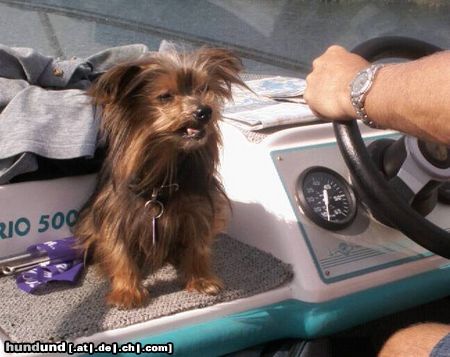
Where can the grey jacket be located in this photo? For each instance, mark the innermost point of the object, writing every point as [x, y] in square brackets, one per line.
[43, 108]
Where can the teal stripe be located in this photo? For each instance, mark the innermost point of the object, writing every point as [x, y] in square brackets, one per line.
[293, 318]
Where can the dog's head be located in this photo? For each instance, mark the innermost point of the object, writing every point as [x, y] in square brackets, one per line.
[165, 104]
[171, 95]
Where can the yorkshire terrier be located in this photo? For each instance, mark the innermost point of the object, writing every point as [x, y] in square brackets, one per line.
[158, 198]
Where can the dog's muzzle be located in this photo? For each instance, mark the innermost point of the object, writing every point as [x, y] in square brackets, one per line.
[201, 117]
[193, 133]
[203, 114]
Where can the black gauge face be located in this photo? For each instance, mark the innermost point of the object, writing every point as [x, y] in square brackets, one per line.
[326, 198]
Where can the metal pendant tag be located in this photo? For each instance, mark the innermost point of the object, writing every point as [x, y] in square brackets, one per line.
[156, 212]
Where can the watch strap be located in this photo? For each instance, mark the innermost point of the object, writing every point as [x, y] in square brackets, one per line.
[359, 101]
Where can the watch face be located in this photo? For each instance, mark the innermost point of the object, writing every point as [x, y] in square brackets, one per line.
[360, 83]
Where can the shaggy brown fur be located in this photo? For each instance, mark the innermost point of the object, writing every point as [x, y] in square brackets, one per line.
[160, 117]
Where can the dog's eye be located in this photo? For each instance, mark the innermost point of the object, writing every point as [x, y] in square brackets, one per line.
[165, 97]
[203, 89]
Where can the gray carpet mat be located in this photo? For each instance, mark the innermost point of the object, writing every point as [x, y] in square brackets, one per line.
[62, 312]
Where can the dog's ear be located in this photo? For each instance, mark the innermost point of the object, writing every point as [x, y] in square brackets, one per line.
[116, 84]
[223, 66]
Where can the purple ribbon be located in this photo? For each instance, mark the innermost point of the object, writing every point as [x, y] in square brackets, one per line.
[65, 264]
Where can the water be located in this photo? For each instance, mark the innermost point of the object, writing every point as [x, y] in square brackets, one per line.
[274, 37]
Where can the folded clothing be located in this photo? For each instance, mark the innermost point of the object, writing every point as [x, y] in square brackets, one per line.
[44, 110]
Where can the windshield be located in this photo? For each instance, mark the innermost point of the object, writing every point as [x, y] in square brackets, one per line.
[274, 37]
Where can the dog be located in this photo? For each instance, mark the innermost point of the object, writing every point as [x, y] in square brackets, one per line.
[158, 197]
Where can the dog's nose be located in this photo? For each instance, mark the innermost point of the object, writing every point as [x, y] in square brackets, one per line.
[203, 113]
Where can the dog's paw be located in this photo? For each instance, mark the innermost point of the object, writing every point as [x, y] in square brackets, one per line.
[127, 299]
[210, 286]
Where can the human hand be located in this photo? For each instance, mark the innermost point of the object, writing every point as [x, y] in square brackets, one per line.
[327, 86]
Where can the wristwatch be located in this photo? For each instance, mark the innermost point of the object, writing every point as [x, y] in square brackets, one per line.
[359, 88]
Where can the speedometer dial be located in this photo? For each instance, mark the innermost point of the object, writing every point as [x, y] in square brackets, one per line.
[326, 198]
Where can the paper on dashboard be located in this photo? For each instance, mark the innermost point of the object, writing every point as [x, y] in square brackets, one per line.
[275, 101]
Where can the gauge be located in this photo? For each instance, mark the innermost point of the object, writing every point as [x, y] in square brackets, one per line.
[326, 198]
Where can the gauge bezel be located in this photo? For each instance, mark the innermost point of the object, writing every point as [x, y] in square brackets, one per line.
[317, 218]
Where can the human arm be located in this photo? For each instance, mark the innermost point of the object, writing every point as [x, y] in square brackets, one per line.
[412, 97]
[420, 340]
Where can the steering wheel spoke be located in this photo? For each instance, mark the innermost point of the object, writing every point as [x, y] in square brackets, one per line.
[402, 189]
[417, 170]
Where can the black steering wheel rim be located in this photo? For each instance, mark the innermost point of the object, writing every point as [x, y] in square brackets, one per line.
[380, 196]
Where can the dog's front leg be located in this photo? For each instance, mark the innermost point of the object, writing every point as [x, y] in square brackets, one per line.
[196, 267]
[126, 288]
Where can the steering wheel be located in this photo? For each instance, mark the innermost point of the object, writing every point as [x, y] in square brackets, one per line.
[391, 198]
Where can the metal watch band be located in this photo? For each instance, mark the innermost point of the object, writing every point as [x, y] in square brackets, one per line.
[359, 101]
